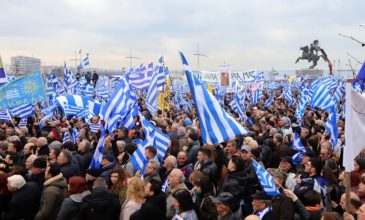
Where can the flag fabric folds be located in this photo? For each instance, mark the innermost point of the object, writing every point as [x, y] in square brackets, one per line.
[331, 126]
[354, 127]
[23, 111]
[23, 122]
[26, 90]
[297, 144]
[322, 98]
[266, 180]
[84, 62]
[4, 115]
[98, 154]
[216, 125]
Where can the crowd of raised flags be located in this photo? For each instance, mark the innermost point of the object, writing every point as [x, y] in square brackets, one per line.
[115, 100]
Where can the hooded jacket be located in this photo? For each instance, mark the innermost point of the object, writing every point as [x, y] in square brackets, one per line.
[54, 192]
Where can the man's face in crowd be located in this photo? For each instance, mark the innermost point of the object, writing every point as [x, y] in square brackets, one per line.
[150, 169]
[361, 213]
[201, 157]
[285, 166]
[28, 163]
[246, 155]
[27, 149]
[258, 205]
[11, 148]
[230, 149]
[182, 158]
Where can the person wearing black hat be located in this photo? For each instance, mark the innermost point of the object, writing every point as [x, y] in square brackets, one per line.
[227, 206]
[287, 167]
[261, 203]
[37, 171]
[193, 147]
[108, 164]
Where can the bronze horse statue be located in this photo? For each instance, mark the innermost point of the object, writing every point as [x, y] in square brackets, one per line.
[311, 54]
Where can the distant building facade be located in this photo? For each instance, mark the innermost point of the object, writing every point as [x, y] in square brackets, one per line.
[21, 65]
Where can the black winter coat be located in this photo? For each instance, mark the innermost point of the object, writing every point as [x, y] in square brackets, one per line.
[100, 204]
[24, 203]
[235, 183]
[153, 209]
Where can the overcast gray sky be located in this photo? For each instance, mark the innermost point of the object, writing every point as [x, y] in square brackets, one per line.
[246, 34]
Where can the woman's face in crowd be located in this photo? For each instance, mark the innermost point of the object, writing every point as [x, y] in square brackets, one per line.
[361, 189]
[114, 178]
[356, 166]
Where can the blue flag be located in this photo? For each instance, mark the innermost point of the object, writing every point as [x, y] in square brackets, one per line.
[26, 90]
[266, 180]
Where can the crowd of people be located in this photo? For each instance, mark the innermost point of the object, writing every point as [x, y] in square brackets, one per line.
[43, 178]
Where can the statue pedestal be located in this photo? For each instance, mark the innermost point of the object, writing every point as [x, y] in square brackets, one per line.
[309, 73]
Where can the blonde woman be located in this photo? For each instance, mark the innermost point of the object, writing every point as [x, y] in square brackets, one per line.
[135, 198]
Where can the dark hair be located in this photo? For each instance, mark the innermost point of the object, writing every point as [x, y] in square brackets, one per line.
[54, 169]
[329, 176]
[77, 184]
[68, 146]
[152, 150]
[183, 196]
[205, 151]
[238, 163]
[312, 198]
[205, 185]
[120, 183]
[14, 157]
[360, 160]
[130, 148]
[17, 145]
[155, 186]
[317, 164]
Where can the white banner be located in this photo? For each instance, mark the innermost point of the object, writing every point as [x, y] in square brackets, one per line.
[209, 76]
[244, 76]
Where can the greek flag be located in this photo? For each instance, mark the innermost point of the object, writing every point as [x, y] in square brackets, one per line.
[72, 104]
[256, 96]
[238, 107]
[322, 98]
[75, 135]
[84, 63]
[157, 137]
[23, 111]
[66, 137]
[4, 115]
[89, 90]
[162, 72]
[94, 127]
[269, 101]
[70, 78]
[128, 122]
[297, 144]
[266, 180]
[42, 122]
[216, 125]
[297, 158]
[331, 126]
[340, 90]
[166, 186]
[140, 79]
[98, 154]
[288, 96]
[23, 122]
[152, 93]
[120, 102]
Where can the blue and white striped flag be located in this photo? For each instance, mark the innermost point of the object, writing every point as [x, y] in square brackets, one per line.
[89, 90]
[75, 135]
[238, 107]
[340, 90]
[72, 104]
[120, 102]
[216, 125]
[138, 159]
[288, 96]
[297, 158]
[66, 137]
[94, 127]
[23, 122]
[256, 96]
[128, 122]
[70, 78]
[84, 62]
[23, 111]
[140, 79]
[266, 180]
[152, 93]
[269, 101]
[331, 126]
[98, 154]
[297, 144]
[322, 98]
[4, 115]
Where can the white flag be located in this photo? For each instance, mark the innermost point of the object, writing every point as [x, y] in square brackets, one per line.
[355, 126]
